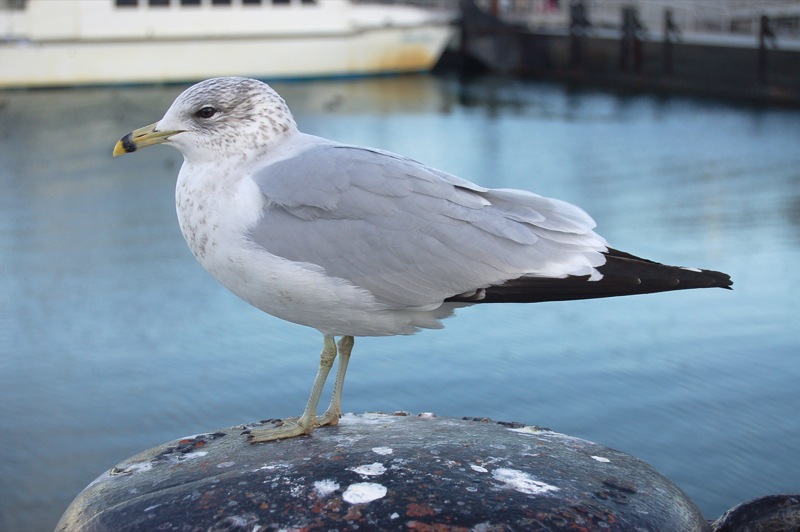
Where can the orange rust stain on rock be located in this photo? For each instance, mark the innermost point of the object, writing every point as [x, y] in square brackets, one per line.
[353, 514]
[418, 510]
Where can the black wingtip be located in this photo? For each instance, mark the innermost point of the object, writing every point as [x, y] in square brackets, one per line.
[622, 274]
[713, 278]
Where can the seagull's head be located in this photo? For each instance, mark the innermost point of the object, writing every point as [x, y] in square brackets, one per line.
[234, 117]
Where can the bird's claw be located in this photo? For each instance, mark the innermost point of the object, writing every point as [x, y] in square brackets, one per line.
[292, 427]
[288, 428]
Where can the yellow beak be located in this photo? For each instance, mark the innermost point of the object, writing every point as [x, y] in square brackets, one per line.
[142, 138]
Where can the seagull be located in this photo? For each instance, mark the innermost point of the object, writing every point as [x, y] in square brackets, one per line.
[356, 241]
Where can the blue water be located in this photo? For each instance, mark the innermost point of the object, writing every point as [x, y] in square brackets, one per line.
[113, 340]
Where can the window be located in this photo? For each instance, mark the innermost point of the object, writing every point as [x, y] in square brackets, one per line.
[251, 2]
[220, 2]
[158, 3]
[190, 2]
[126, 3]
[13, 5]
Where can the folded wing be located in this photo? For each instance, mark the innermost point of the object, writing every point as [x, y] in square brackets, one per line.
[414, 236]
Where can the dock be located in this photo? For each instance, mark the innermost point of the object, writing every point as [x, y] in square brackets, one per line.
[753, 58]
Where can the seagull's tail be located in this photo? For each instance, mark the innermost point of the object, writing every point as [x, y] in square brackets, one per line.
[623, 274]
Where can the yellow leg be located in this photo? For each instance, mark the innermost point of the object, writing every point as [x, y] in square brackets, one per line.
[306, 423]
[334, 411]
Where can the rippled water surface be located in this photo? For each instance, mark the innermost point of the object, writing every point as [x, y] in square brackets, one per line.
[113, 340]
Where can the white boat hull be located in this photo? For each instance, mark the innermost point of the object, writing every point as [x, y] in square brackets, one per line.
[389, 50]
[94, 44]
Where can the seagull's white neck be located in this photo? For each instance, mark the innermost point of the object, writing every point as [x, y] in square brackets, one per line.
[212, 206]
[214, 196]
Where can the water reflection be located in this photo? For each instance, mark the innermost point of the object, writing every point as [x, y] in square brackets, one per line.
[114, 340]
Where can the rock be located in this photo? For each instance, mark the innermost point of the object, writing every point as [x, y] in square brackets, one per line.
[773, 513]
[381, 471]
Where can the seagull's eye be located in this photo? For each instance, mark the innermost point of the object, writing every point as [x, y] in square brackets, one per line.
[206, 112]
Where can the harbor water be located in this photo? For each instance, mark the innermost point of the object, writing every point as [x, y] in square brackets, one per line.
[113, 339]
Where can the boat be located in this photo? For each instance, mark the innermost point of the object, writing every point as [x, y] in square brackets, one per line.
[50, 43]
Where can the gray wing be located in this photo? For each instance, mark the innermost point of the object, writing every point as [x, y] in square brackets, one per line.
[411, 235]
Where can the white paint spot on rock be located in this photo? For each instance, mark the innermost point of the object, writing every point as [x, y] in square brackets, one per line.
[223, 465]
[479, 469]
[368, 418]
[382, 450]
[136, 467]
[546, 434]
[363, 492]
[236, 521]
[190, 456]
[527, 429]
[270, 467]
[325, 487]
[601, 459]
[370, 470]
[521, 481]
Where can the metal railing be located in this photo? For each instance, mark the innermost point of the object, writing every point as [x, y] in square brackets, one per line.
[700, 16]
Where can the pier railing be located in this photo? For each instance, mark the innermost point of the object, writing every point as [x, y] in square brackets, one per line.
[691, 16]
